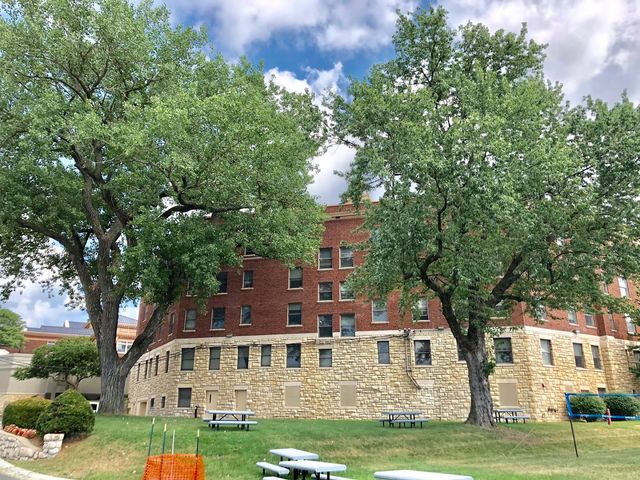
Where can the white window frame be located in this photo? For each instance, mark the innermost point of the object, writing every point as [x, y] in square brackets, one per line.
[242, 310]
[342, 315]
[319, 291]
[419, 309]
[301, 278]
[330, 258]
[624, 287]
[548, 353]
[348, 299]
[352, 256]
[375, 307]
[244, 273]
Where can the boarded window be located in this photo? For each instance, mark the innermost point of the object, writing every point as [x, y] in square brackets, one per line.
[241, 399]
[292, 395]
[348, 397]
[508, 394]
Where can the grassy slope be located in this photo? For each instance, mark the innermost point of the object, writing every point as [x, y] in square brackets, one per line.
[118, 447]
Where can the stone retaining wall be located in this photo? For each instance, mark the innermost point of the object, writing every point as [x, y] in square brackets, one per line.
[13, 447]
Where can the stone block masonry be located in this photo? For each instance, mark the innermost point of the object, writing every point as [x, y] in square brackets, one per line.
[13, 447]
[357, 385]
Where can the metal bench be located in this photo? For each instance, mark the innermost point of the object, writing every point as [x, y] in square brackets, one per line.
[277, 469]
[515, 418]
[238, 423]
[410, 421]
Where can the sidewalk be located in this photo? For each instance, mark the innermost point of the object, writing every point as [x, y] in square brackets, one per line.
[10, 472]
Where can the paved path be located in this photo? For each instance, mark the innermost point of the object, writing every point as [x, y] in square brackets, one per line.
[9, 472]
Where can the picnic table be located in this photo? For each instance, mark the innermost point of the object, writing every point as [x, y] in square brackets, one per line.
[293, 454]
[314, 467]
[238, 418]
[417, 475]
[510, 413]
[403, 418]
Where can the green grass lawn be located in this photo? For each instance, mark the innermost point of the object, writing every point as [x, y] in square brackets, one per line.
[118, 446]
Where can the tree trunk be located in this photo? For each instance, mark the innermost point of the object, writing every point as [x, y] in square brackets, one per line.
[112, 391]
[481, 410]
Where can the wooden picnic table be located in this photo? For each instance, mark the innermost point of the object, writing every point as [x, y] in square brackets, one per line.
[402, 417]
[417, 475]
[293, 454]
[314, 467]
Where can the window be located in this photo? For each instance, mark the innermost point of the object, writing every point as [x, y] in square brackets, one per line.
[325, 325]
[123, 347]
[186, 358]
[222, 278]
[423, 352]
[138, 374]
[588, 318]
[324, 357]
[295, 277]
[595, 353]
[325, 260]
[348, 325]
[243, 357]
[384, 358]
[166, 361]
[624, 287]
[345, 292]
[421, 313]
[325, 291]
[573, 317]
[163, 401]
[217, 318]
[605, 287]
[636, 358]
[578, 355]
[245, 315]
[547, 354]
[249, 252]
[265, 356]
[541, 313]
[502, 346]
[172, 323]
[155, 368]
[294, 314]
[346, 257]
[214, 358]
[152, 402]
[190, 320]
[379, 311]
[184, 397]
[293, 355]
[247, 279]
[631, 327]
[146, 368]
[612, 322]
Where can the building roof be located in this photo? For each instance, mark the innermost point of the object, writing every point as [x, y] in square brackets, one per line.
[69, 328]
[123, 320]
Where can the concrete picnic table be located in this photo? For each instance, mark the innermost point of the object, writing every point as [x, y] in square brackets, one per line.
[417, 475]
[312, 466]
[230, 417]
[293, 454]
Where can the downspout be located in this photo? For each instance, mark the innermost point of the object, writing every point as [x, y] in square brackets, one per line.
[407, 357]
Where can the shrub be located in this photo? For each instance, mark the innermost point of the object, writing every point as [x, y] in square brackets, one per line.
[588, 406]
[70, 414]
[25, 412]
[625, 406]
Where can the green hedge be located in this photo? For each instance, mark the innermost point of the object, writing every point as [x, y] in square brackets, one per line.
[625, 406]
[70, 414]
[24, 413]
[588, 406]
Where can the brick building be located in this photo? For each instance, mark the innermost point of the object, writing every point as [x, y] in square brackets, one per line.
[295, 343]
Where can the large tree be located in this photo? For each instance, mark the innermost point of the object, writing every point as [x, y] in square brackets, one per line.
[495, 192]
[133, 161]
[11, 327]
[69, 360]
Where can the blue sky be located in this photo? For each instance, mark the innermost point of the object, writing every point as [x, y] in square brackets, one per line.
[594, 48]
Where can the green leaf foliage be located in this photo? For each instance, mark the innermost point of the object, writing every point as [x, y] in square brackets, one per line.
[588, 406]
[70, 360]
[70, 413]
[25, 412]
[133, 164]
[495, 191]
[11, 328]
[623, 405]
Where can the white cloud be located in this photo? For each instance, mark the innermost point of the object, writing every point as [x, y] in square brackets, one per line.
[594, 46]
[327, 186]
[330, 24]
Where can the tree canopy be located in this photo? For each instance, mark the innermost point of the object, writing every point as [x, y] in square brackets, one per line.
[495, 190]
[132, 163]
[69, 360]
[11, 327]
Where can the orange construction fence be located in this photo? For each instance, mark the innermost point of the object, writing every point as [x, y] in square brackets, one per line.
[174, 466]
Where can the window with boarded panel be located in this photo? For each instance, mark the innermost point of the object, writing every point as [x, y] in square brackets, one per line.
[348, 395]
[292, 395]
[508, 394]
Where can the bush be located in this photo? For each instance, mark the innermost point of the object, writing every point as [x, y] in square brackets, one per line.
[24, 413]
[70, 414]
[625, 406]
[588, 406]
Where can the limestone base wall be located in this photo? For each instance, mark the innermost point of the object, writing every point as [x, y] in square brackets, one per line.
[13, 447]
[356, 385]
